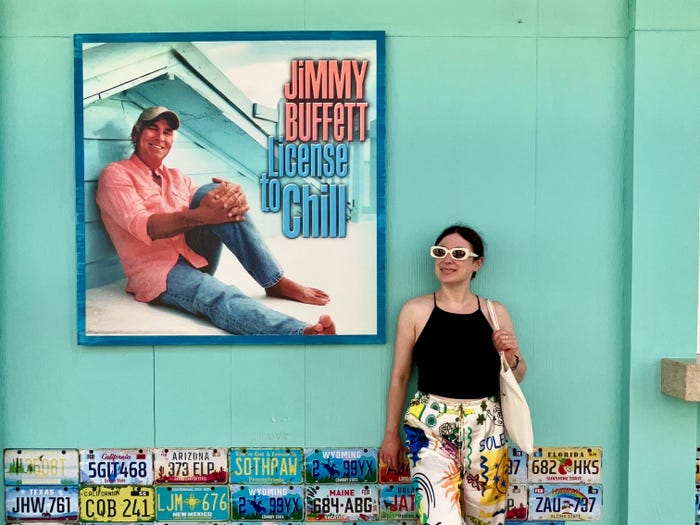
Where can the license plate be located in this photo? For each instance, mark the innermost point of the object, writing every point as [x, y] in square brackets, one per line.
[517, 465]
[533, 523]
[516, 502]
[337, 465]
[267, 503]
[342, 503]
[190, 465]
[41, 503]
[266, 465]
[398, 502]
[41, 467]
[697, 465]
[566, 465]
[116, 467]
[116, 504]
[194, 503]
[570, 502]
[400, 474]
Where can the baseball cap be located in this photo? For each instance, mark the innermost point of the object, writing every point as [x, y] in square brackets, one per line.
[150, 114]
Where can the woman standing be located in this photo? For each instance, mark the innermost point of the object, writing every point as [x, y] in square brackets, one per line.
[458, 452]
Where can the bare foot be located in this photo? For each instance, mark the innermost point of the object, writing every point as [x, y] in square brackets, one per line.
[325, 326]
[287, 289]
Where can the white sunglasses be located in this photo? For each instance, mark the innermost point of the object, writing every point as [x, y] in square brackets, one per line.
[458, 254]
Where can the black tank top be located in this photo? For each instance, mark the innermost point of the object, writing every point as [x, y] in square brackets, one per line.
[455, 355]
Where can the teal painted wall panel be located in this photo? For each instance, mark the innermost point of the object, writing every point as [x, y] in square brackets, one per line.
[667, 15]
[599, 18]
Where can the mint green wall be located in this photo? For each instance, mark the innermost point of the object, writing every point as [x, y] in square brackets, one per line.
[568, 138]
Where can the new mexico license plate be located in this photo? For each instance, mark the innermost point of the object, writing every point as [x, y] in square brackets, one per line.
[336, 465]
[41, 503]
[398, 502]
[41, 467]
[565, 465]
[266, 465]
[570, 502]
[116, 467]
[127, 504]
[271, 503]
[202, 503]
[190, 465]
[342, 503]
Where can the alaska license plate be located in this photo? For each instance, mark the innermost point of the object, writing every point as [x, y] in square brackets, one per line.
[41, 467]
[340, 465]
[126, 504]
[270, 503]
[192, 503]
[266, 465]
[565, 465]
[570, 502]
[517, 502]
[41, 503]
[398, 502]
[517, 465]
[342, 502]
[190, 465]
[116, 467]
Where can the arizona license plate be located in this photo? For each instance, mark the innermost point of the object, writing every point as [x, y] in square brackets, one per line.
[116, 467]
[566, 465]
[400, 474]
[41, 503]
[342, 503]
[337, 465]
[41, 467]
[192, 503]
[190, 465]
[517, 465]
[571, 502]
[271, 503]
[116, 504]
[266, 465]
[398, 502]
[516, 502]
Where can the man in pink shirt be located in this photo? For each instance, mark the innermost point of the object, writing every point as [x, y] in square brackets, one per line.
[169, 234]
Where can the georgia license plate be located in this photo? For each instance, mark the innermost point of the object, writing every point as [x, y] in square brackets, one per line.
[398, 502]
[517, 465]
[516, 502]
[335, 465]
[41, 467]
[568, 502]
[192, 503]
[342, 503]
[116, 504]
[565, 465]
[266, 465]
[116, 467]
[41, 503]
[190, 465]
[267, 503]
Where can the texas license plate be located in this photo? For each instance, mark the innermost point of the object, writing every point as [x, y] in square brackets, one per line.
[516, 502]
[190, 465]
[192, 503]
[266, 465]
[565, 465]
[567, 502]
[342, 503]
[116, 504]
[336, 465]
[116, 467]
[517, 465]
[41, 467]
[272, 503]
[398, 502]
[41, 503]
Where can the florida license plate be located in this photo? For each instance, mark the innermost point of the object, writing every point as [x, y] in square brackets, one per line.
[340, 465]
[570, 502]
[517, 465]
[192, 503]
[270, 503]
[342, 503]
[41, 503]
[266, 465]
[116, 467]
[398, 502]
[190, 465]
[517, 502]
[127, 504]
[566, 465]
[41, 467]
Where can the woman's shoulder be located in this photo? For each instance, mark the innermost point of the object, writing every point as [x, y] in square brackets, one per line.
[419, 305]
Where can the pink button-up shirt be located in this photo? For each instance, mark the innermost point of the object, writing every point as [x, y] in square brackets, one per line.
[127, 196]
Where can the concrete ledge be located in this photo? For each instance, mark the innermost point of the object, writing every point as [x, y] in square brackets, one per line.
[681, 378]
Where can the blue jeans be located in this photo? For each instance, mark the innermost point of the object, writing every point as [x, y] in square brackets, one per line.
[197, 291]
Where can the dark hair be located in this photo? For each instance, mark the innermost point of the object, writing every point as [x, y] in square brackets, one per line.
[466, 233]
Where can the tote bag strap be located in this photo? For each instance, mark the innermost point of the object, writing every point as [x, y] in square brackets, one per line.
[492, 314]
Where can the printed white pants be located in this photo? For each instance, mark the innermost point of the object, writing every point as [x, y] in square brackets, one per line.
[458, 455]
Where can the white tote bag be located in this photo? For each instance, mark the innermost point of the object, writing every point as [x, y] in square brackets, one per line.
[516, 412]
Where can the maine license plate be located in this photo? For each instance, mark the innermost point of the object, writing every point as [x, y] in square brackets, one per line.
[400, 474]
[190, 465]
[516, 502]
[398, 502]
[565, 465]
[342, 503]
[567, 502]
[517, 465]
[340, 465]
[266, 465]
[116, 504]
[192, 503]
[41, 503]
[41, 467]
[116, 467]
[270, 503]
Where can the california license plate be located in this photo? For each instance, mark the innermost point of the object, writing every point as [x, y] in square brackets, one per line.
[192, 503]
[340, 465]
[567, 502]
[116, 504]
[342, 503]
[517, 502]
[565, 465]
[41, 503]
[266, 465]
[398, 502]
[190, 465]
[41, 467]
[116, 467]
[270, 503]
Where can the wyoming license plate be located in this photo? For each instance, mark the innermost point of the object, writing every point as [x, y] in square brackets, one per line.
[271, 503]
[190, 465]
[336, 465]
[116, 504]
[116, 467]
[571, 502]
[192, 503]
[41, 467]
[41, 503]
[342, 503]
[266, 465]
[565, 465]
